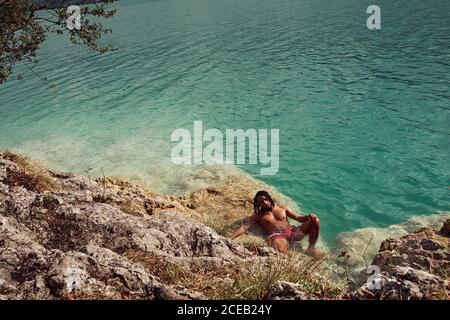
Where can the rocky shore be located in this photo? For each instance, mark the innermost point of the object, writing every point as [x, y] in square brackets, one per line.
[65, 236]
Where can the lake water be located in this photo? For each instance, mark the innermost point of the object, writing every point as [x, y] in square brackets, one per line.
[364, 116]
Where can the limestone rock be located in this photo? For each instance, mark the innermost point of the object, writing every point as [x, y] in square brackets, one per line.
[64, 236]
[416, 266]
[287, 291]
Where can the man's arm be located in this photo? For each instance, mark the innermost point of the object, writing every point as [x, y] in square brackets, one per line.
[243, 229]
[291, 214]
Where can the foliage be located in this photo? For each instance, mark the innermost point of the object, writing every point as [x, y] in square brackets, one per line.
[25, 25]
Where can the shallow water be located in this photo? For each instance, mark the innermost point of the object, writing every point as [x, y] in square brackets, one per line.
[363, 115]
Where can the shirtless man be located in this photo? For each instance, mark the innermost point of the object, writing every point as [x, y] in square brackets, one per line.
[273, 219]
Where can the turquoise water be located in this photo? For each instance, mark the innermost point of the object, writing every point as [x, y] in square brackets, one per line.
[363, 115]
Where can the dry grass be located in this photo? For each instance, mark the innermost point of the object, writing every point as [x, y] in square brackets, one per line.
[21, 161]
[168, 272]
[245, 280]
[129, 207]
[158, 266]
[254, 238]
[30, 175]
[254, 280]
[442, 270]
[222, 227]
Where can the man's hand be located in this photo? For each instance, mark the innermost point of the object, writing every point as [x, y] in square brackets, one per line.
[239, 232]
[313, 217]
[242, 229]
[232, 237]
[299, 218]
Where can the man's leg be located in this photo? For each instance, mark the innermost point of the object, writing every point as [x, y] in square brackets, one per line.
[312, 229]
[281, 244]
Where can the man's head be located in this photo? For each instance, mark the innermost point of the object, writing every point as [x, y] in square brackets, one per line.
[262, 202]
